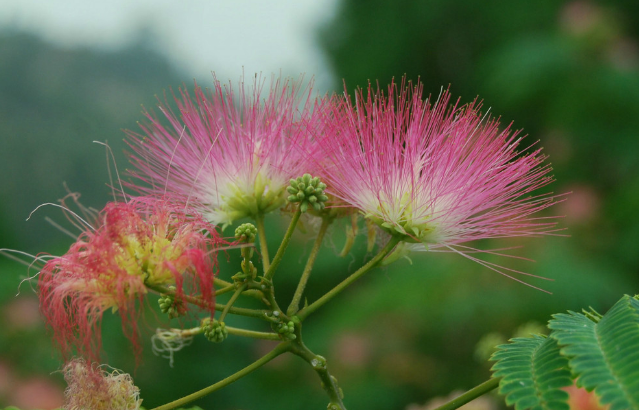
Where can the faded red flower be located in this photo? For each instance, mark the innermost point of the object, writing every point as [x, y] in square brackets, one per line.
[135, 244]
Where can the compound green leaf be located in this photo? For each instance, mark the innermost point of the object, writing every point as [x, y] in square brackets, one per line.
[532, 373]
[604, 355]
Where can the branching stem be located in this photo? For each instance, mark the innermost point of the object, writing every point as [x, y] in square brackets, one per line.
[225, 290]
[279, 349]
[261, 314]
[470, 395]
[254, 293]
[251, 333]
[318, 363]
[232, 331]
[297, 297]
[261, 233]
[280, 252]
[352, 278]
[229, 305]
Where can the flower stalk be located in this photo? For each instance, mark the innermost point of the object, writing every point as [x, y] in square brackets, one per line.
[295, 303]
[229, 305]
[318, 363]
[261, 314]
[302, 314]
[280, 252]
[261, 233]
[279, 349]
[470, 395]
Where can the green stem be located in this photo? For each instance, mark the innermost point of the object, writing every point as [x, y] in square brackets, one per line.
[261, 233]
[279, 349]
[280, 252]
[251, 333]
[261, 314]
[221, 282]
[225, 290]
[187, 332]
[254, 293]
[229, 305]
[470, 395]
[352, 278]
[232, 331]
[295, 303]
[318, 363]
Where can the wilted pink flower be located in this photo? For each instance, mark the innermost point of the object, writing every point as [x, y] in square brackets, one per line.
[434, 174]
[93, 388]
[233, 154]
[144, 241]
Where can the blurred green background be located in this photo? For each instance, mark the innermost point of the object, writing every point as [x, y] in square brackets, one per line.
[565, 72]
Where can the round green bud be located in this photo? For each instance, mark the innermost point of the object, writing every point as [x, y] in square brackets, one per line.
[307, 191]
[246, 233]
[286, 330]
[214, 331]
[171, 307]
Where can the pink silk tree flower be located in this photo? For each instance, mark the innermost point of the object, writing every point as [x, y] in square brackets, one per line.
[142, 242]
[233, 154]
[436, 175]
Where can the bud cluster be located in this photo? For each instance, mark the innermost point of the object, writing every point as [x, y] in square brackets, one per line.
[307, 190]
[286, 329]
[246, 233]
[214, 331]
[172, 307]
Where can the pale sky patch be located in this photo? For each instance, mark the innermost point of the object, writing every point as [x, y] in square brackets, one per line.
[199, 36]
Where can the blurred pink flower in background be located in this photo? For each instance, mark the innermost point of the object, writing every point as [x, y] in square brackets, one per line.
[22, 313]
[580, 399]
[352, 350]
[35, 392]
[583, 205]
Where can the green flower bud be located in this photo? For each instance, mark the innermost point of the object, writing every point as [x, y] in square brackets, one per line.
[214, 331]
[286, 330]
[171, 307]
[246, 233]
[307, 190]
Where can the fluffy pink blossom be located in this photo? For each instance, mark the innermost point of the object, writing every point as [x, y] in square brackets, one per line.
[144, 241]
[234, 154]
[435, 174]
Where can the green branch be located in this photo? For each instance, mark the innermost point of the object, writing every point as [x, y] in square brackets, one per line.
[318, 363]
[232, 331]
[254, 293]
[229, 305]
[297, 297]
[261, 234]
[251, 333]
[352, 278]
[280, 252]
[279, 349]
[224, 290]
[470, 395]
[261, 314]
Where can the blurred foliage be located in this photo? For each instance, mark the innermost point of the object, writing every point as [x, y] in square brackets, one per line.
[566, 72]
[53, 104]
